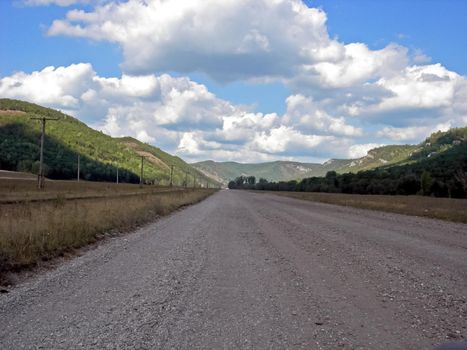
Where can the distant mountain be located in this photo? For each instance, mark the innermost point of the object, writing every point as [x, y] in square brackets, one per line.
[225, 171]
[286, 170]
[100, 154]
[381, 157]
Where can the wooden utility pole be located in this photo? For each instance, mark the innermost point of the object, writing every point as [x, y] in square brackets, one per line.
[171, 175]
[78, 168]
[141, 175]
[40, 176]
[117, 175]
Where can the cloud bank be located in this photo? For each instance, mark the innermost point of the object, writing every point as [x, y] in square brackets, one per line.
[344, 97]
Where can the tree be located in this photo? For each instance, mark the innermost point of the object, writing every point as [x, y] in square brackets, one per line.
[408, 184]
[240, 181]
[461, 176]
[251, 180]
[426, 182]
[24, 165]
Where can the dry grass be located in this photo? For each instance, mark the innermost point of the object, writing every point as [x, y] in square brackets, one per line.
[34, 231]
[439, 208]
[18, 189]
[6, 174]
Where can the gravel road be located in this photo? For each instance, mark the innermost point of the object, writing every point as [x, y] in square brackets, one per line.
[242, 270]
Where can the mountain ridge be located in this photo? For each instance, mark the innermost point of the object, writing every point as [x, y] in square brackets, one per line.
[379, 157]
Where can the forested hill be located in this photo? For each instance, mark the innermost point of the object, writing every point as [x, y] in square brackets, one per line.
[436, 167]
[381, 157]
[100, 154]
[286, 170]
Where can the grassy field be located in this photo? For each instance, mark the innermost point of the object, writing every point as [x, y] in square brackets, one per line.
[33, 231]
[22, 188]
[439, 208]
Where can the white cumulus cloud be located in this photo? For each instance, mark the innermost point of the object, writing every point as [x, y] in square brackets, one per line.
[357, 151]
[56, 87]
[304, 114]
[344, 97]
[411, 133]
[231, 40]
[182, 116]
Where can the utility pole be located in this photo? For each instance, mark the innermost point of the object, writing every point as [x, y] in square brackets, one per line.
[141, 176]
[171, 175]
[78, 168]
[194, 181]
[117, 175]
[186, 179]
[40, 176]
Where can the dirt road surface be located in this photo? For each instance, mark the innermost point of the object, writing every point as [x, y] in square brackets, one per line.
[243, 270]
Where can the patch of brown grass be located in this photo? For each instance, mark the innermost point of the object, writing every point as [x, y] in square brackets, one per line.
[450, 209]
[11, 112]
[6, 174]
[18, 189]
[34, 231]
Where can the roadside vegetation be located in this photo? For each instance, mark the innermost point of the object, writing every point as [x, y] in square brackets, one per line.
[31, 232]
[450, 209]
[19, 190]
[65, 215]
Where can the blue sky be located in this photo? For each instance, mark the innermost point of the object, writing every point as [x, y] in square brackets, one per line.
[418, 32]
[438, 28]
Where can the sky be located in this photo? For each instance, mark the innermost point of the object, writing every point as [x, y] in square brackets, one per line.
[243, 80]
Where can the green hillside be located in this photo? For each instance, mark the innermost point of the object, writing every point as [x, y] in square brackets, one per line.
[100, 154]
[441, 175]
[381, 157]
[377, 157]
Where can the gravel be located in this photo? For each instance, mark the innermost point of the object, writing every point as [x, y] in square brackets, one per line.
[242, 270]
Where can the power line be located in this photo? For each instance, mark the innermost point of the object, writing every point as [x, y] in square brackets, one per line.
[142, 169]
[171, 175]
[40, 176]
[78, 168]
